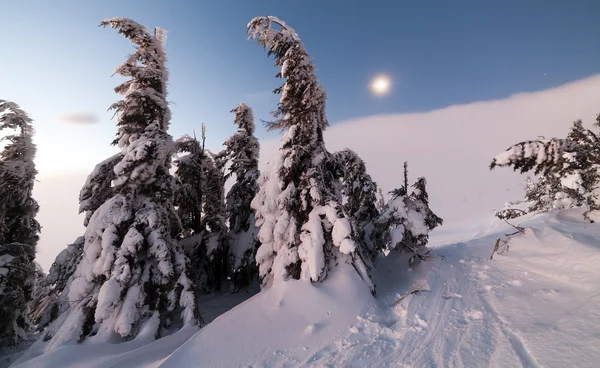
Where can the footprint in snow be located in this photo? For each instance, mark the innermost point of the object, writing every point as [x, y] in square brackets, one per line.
[474, 314]
[313, 327]
[481, 275]
[420, 322]
[515, 283]
[452, 296]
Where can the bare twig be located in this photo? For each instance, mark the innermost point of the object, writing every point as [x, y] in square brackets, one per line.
[519, 229]
[495, 248]
[416, 291]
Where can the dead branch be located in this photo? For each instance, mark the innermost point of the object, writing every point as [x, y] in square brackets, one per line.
[416, 291]
[518, 228]
[495, 248]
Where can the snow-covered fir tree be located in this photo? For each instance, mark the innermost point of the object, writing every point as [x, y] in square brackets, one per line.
[215, 243]
[360, 194]
[133, 273]
[191, 182]
[406, 220]
[41, 310]
[51, 295]
[303, 230]
[241, 151]
[200, 201]
[567, 169]
[18, 227]
[98, 186]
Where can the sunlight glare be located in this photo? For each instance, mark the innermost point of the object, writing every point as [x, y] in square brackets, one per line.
[381, 85]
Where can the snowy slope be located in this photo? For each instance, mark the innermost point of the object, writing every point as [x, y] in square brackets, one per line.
[536, 305]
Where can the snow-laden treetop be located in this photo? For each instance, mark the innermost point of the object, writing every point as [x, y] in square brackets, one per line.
[244, 119]
[12, 117]
[302, 96]
[144, 106]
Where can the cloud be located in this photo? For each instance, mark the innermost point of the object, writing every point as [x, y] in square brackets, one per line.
[81, 118]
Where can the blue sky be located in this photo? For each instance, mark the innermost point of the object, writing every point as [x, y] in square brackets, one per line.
[56, 61]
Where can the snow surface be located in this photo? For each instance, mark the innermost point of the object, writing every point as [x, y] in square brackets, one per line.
[535, 305]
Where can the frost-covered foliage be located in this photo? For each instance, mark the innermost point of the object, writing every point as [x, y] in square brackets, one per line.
[64, 265]
[360, 194]
[200, 201]
[133, 273]
[360, 206]
[241, 151]
[43, 307]
[567, 169]
[303, 230]
[98, 186]
[191, 182]
[405, 222]
[18, 227]
[51, 292]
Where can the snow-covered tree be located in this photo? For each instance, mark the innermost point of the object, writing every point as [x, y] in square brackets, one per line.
[360, 194]
[303, 230]
[51, 295]
[64, 265]
[98, 186]
[241, 151]
[43, 298]
[191, 182]
[406, 220]
[567, 169]
[18, 227]
[215, 243]
[133, 273]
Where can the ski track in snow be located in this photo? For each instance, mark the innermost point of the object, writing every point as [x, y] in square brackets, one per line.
[460, 322]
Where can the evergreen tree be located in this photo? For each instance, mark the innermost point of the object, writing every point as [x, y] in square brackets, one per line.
[40, 307]
[18, 228]
[406, 220]
[567, 169]
[133, 273]
[98, 186]
[303, 230]
[51, 297]
[241, 151]
[191, 182]
[360, 194]
[215, 243]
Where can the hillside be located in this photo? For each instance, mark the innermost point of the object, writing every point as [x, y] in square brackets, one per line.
[536, 305]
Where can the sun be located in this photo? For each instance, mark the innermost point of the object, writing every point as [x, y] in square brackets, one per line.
[381, 85]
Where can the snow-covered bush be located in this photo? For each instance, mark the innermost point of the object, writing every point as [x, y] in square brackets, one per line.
[405, 222]
[303, 230]
[133, 273]
[18, 227]
[567, 170]
[241, 151]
